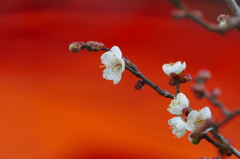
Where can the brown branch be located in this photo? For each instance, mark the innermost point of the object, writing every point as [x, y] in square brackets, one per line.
[234, 7]
[210, 140]
[229, 117]
[216, 103]
[134, 70]
[226, 144]
[232, 22]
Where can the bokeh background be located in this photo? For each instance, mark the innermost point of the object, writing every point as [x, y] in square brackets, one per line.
[56, 105]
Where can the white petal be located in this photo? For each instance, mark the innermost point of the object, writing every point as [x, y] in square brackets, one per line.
[167, 69]
[179, 132]
[192, 117]
[174, 120]
[178, 104]
[206, 113]
[175, 110]
[110, 74]
[178, 126]
[117, 52]
[123, 65]
[106, 58]
[178, 67]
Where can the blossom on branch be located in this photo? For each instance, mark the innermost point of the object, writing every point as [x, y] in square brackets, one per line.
[178, 104]
[174, 68]
[196, 119]
[178, 126]
[114, 64]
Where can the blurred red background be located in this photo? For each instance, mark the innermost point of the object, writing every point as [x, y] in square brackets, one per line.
[56, 105]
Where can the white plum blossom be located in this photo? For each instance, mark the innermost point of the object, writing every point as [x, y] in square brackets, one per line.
[178, 104]
[196, 119]
[176, 68]
[114, 64]
[178, 126]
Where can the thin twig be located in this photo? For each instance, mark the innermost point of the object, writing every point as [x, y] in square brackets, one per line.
[134, 70]
[230, 116]
[224, 141]
[217, 103]
[234, 7]
[232, 22]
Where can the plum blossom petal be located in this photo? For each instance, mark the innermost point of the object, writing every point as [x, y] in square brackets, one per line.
[196, 119]
[178, 104]
[178, 126]
[176, 68]
[114, 64]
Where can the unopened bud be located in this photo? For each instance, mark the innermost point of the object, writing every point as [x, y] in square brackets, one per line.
[94, 46]
[198, 90]
[198, 14]
[216, 92]
[229, 153]
[217, 157]
[178, 14]
[171, 82]
[204, 75]
[139, 84]
[194, 140]
[185, 78]
[186, 111]
[222, 17]
[75, 47]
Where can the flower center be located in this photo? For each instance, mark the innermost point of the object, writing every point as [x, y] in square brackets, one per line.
[117, 64]
[198, 122]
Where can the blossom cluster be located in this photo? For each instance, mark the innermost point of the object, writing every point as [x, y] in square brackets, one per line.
[185, 118]
[179, 107]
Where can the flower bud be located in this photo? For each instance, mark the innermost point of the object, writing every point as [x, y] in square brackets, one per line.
[94, 46]
[198, 14]
[229, 153]
[171, 82]
[194, 140]
[178, 14]
[186, 111]
[185, 78]
[139, 84]
[222, 17]
[75, 47]
[204, 75]
[217, 157]
[216, 92]
[198, 90]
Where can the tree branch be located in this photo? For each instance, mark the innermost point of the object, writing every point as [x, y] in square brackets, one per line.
[134, 70]
[232, 22]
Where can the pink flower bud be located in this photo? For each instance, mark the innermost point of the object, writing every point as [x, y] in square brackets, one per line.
[186, 111]
[229, 153]
[216, 92]
[222, 17]
[139, 84]
[178, 14]
[171, 82]
[94, 46]
[75, 47]
[185, 78]
[204, 75]
[198, 90]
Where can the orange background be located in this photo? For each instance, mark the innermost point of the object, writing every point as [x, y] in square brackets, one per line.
[56, 105]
